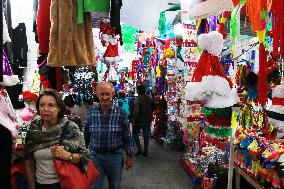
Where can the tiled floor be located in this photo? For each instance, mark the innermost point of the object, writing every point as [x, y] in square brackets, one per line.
[160, 170]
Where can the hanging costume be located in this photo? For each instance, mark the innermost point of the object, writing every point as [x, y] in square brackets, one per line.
[70, 44]
[43, 25]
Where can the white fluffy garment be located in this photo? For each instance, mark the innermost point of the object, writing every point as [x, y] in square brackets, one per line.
[214, 91]
[278, 91]
[276, 123]
[277, 108]
[10, 80]
[112, 74]
[211, 42]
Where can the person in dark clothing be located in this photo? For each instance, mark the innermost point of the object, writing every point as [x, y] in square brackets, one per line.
[6, 157]
[142, 118]
[160, 118]
[131, 98]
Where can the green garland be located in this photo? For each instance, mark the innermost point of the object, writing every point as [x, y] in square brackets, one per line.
[218, 132]
[224, 112]
[129, 37]
[162, 22]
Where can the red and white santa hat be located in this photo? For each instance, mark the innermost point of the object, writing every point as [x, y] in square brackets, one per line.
[210, 83]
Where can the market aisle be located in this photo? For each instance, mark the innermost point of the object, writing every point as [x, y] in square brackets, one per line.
[160, 170]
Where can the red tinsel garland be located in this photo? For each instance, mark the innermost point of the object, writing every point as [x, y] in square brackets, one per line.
[262, 75]
[215, 120]
[278, 101]
[278, 26]
[133, 69]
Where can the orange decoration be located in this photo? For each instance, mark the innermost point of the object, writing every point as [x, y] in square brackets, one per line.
[254, 9]
[236, 2]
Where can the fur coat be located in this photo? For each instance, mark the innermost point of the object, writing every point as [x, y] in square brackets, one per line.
[71, 44]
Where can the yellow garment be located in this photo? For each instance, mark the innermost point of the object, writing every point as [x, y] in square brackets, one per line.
[158, 71]
[35, 88]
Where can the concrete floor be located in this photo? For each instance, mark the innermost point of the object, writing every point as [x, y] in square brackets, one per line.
[161, 170]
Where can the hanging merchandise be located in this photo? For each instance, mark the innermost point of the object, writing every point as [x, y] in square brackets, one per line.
[70, 44]
[43, 25]
[112, 75]
[129, 37]
[256, 11]
[91, 6]
[110, 40]
[209, 71]
[9, 78]
[6, 37]
[277, 27]
[8, 117]
[234, 22]
[19, 48]
[82, 87]
[276, 110]
[162, 23]
[42, 67]
[115, 17]
[35, 86]
[262, 73]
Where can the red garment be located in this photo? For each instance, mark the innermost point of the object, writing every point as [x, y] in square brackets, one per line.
[18, 167]
[209, 65]
[262, 75]
[43, 25]
[59, 79]
[27, 95]
[277, 27]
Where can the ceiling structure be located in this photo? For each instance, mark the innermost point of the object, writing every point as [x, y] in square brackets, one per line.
[144, 15]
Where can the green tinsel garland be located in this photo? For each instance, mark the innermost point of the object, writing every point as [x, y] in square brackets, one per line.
[218, 132]
[129, 37]
[162, 22]
[224, 112]
[234, 22]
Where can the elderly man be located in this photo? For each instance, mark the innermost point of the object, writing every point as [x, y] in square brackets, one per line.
[107, 133]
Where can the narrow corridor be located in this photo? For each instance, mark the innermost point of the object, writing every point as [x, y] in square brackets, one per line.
[161, 170]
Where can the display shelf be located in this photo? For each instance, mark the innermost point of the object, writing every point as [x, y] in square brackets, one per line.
[189, 168]
[239, 171]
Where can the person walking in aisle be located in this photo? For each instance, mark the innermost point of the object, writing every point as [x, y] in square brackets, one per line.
[131, 98]
[122, 102]
[43, 137]
[107, 133]
[142, 118]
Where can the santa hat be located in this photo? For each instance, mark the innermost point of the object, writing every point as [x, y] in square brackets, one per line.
[27, 95]
[276, 110]
[209, 82]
